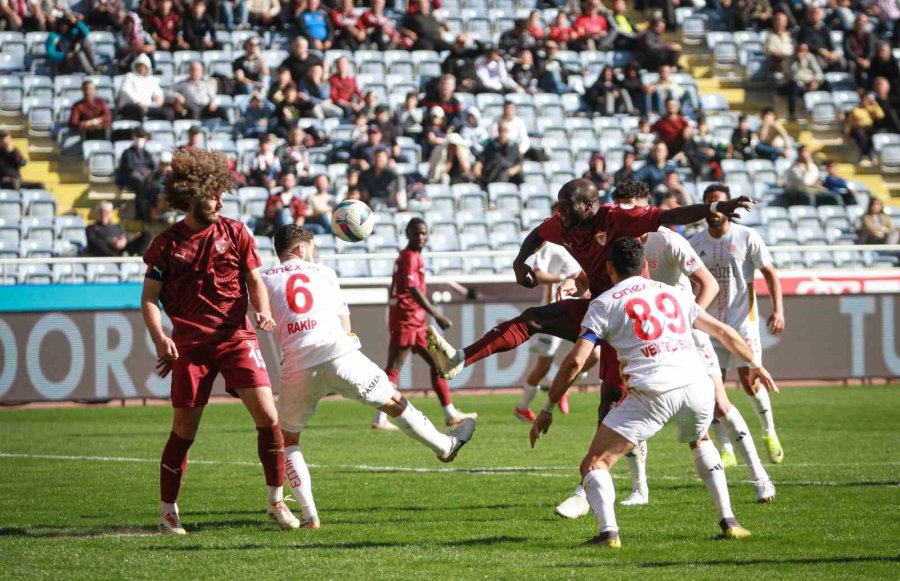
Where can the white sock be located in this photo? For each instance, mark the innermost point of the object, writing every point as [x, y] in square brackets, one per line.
[167, 507]
[460, 357]
[709, 468]
[450, 411]
[380, 418]
[733, 422]
[297, 474]
[579, 492]
[763, 408]
[637, 464]
[275, 494]
[721, 435]
[414, 424]
[601, 495]
[528, 393]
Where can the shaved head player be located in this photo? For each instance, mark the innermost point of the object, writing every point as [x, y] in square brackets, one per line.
[205, 270]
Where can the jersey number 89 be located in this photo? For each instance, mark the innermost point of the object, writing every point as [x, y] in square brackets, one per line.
[648, 327]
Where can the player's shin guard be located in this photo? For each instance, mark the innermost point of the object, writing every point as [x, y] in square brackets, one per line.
[414, 424]
[601, 495]
[270, 447]
[721, 434]
[172, 467]
[763, 408]
[637, 465]
[504, 337]
[297, 473]
[733, 423]
[709, 468]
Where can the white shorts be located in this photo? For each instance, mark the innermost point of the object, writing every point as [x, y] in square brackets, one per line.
[544, 345]
[644, 413]
[749, 330]
[352, 376]
[707, 353]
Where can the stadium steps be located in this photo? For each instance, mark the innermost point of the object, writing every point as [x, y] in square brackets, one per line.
[67, 187]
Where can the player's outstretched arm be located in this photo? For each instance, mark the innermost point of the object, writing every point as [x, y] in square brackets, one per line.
[568, 371]
[166, 352]
[706, 284]
[422, 300]
[697, 212]
[776, 319]
[736, 345]
[259, 298]
[524, 274]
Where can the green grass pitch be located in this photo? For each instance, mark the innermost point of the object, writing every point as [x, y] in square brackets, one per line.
[80, 497]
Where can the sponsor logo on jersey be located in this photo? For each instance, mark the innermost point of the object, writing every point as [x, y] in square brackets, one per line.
[364, 392]
[628, 291]
[222, 246]
[654, 349]
[600, 237]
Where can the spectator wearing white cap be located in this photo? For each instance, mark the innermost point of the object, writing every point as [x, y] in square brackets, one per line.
[436, 134]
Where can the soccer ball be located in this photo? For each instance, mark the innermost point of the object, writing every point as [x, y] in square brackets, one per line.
[352, 221]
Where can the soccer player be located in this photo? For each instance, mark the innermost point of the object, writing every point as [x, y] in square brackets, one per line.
[409, 305]
[733, 252]
[321, 356]
[649, 324]
[204, 270]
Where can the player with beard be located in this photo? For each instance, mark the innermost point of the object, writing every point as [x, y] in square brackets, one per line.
[204, 270]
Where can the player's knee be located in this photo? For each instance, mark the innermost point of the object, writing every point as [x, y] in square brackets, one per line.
[591, 463]
[533, 319]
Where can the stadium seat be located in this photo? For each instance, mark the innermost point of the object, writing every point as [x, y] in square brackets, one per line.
[11, 94]
[103, 273]
[383, 267]
[39, 203]
[11, 205]
[353, 268]
[69, 273]
[35, 274]
[443, 243]
[39, 229]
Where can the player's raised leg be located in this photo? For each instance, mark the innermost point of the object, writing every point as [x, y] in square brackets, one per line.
[452, 416]
[637, 466]
[762, 405]
[726, 446]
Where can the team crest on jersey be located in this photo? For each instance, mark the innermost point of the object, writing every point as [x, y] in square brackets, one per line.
[222, 246]
[732, 248]
[652, 264]
[600, 237]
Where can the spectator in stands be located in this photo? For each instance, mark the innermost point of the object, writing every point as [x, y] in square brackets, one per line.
[300, 60]
[626, 172]
[318, 207]
[664, 88]
[105, 14]
[345, 92]
[700, 152]
[289, 110]
[141, 94]
[662, 9]
[195, 97]
[436, 132]
[607, 96]
[314, 24]
[54, 10]
[518, 131]
[198, 29]
[596, 172]
[834, 183]
[670, 129]
[265, 13]
[561, 32]
[90, 116]
[349, 33]
[380, 31]
[638, 92]
[889, 104]
[460, 63]
[805, 75]
[525, 73]
[69, 48]
[554, 76]
[625, 31]
[265, 168]
[516, 39]
[653, 50]
[444, 99]
[451, 163]
[389, 131]
[149, 206]
[669, 189]
[380, 185]
[658, 165]
[293, 155]
[884, 64]
[860, 125]
[228, 9]
[475, 135]
[255, 117]
[859, 49]
[195, 139]
[877, 227]
[165, 23]
[422, 30]
[803, 184]
[501, 160]
[774, 141]
[11, 163]
[409, 117]
[283, 206]
[535, 26]
[643, 139]
[363, 154]
[136, 163]
[106, 238]
[492, 73]
[818, 37]
[755, 14]
[742, 140]
[251, 73]
[318, 93]
[133, 41]
[779, 46]
[592, 28]
[22, 15]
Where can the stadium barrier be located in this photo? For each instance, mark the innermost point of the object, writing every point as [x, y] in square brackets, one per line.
[58, 347]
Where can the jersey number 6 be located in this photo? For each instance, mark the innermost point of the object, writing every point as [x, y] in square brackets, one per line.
[647, 327]
[293, 288]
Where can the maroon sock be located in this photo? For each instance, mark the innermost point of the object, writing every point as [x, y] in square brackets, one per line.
[440, 387]
[504, 337]
[270, 446]
[393, 375]
[172, 467]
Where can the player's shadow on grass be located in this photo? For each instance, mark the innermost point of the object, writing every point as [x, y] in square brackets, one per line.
[455, 508]
[346, 545]
[51, 532]
[798, 561]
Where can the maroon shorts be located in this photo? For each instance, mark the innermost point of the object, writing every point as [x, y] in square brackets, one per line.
[239, 361]
[411, 337]
[576, 309]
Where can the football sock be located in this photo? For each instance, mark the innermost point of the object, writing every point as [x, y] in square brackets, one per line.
[763, 408]
[270, 448]
[172, 467]
[601, 495]
[167, 507]
[450, 411]
[579, 491]
[440, 387]
[709, 468]
[505, 336]
[276, 494]
[637, 465]
[298, 478]
[733, 423]
[393, 375]
[721, 434]
[380, 418]
[528, 393]
[414, 424]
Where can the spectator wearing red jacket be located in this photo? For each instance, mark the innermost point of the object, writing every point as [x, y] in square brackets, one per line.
[345, 93]
[670, 129]
[592, 28]
[90, 116]
[379, 29]
[348, 31]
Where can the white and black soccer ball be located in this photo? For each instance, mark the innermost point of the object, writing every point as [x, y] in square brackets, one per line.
[352, 221]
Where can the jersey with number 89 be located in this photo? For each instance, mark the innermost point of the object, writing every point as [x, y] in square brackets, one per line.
[649, 324]
[307, 303]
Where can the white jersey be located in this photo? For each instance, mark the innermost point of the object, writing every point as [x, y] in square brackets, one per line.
[670, 258]
[649, 324]
[732, 260]
[307, 304]
[554, 259]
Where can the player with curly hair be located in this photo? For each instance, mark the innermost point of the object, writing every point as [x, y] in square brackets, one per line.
[204, 270]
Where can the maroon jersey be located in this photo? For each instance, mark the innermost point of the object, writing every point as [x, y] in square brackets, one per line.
[203, 291]
[589, 245]
[409, 272]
